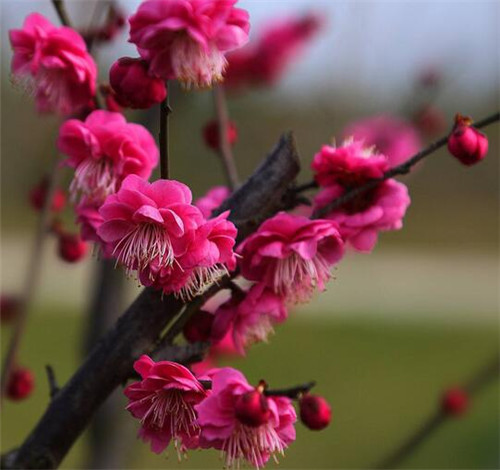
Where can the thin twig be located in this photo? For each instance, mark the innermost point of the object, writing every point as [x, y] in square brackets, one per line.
[165, 111]
[476, 383]
[306, 186]
[402, 169]
[61, 12]
[32, 279]
[226, 153]
[51, 377]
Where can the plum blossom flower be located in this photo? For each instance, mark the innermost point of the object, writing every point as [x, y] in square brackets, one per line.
[213, 199]
[391, 136]
[164, 401]
[292, 255]
[187, 39]
[264, 61]
[362, 218]
[250, 316]
[348, 165]
[221, 429]
[54, 64]
[103, 150]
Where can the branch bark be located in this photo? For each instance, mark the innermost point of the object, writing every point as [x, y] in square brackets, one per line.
[138, 330]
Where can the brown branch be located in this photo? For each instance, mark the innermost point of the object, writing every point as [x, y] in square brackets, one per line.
[51, 377]
[474, 385]
[402, 169]
[225, 150]
[61, 12]
[290, 392]
[165, 111]
[137, 331]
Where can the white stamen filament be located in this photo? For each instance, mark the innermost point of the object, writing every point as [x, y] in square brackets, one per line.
[201, 279]
[95, 179]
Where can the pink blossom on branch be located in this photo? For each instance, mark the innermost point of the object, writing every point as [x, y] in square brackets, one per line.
[265, 60]
[187, 39]
[53, 64]
[214, 198]
[361, 219]
[391, 136]
[103, 150]
[292, 255]
[164, 401]
[223, 430]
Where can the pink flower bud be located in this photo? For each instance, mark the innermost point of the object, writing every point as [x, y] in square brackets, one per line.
[38, 195]
[71, 247]
[21, 384]
[315, 412]
[9, 307]
[466, 143]
[211, 134]
[252, 408]
[199, 327]
[455, 401]
[133, 86]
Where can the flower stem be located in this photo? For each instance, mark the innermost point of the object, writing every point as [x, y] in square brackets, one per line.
[225, 150]
[165, 111]
[31, 281]
[61, 12]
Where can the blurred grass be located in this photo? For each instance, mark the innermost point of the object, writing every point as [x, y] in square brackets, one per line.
[382, 380]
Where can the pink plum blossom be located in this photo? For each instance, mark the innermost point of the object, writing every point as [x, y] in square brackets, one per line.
[187, 39]
[53, 64]
[164, 401]
[221, 429]
[361, 219]
[265, 60]
[103, 150]
[249, 316]
[213, 199]
[348, 165]
[391, 136]
[292, 255]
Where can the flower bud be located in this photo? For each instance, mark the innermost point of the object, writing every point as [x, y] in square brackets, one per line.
[133, 86]
[38, 194]
[199, 327]
[252, 408]
[454, 401]
[9, 307]
[71, 247]
[21, 383]
[315, 412]
[211, 134]
[466, 143]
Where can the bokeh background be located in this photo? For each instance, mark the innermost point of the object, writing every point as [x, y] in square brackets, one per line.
[397, 326]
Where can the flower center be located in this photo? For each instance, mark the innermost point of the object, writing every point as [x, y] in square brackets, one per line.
[141, 246]
[200, 280]
[95, 179]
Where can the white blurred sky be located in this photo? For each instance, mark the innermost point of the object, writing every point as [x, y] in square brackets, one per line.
[378, 46]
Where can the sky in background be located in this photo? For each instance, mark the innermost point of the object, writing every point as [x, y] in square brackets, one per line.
[375, 46]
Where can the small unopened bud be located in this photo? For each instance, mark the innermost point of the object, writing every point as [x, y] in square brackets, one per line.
[455, 401]
[199, 327]
[71, 247]
[252, 408]
[315, 412]
[21, 383]
[133, 86]
[466, 143]
[9, 308]
[211, 134]
[38, 195]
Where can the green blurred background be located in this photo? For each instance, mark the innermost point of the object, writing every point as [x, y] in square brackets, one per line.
[397, 326]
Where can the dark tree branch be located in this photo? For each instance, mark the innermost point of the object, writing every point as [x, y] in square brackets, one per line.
[291, 392]
[61, 12]
[402, 169]
[165, 111]
[186, 354]
[137, 331]
[476, 383]
[51, 377]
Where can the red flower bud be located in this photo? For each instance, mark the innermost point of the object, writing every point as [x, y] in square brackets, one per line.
[133, 86]
[455, 401]
[71, 247]
[211, 134]
[315, 412]
[21, 383]
[38, 195]
[466, 143]
[252, 408]
[199, 327]
[9, 307]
